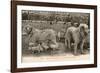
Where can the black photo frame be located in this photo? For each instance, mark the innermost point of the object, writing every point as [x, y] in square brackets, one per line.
[14, 34]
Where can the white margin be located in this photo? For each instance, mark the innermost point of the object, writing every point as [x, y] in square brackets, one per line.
[41, 64]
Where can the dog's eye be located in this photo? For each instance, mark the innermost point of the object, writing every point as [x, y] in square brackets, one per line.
[28, 28]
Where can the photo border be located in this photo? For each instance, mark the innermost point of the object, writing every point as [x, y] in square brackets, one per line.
[46, 4]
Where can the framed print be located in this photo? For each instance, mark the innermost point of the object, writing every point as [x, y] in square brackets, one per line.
[52, 36]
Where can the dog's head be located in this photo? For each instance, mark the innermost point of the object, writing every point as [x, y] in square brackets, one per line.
[28, 29]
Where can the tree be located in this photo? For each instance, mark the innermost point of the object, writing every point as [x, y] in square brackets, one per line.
[24, 16]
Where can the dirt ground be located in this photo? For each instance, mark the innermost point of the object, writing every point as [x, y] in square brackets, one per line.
[58, 57]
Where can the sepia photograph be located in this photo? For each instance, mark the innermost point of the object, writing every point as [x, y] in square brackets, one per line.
[55, 36]
[52, 36]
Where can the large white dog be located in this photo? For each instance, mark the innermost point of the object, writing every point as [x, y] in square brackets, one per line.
[77, 35]
[44, 38]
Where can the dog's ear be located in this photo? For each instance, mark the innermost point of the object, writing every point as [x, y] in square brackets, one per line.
[82, 29]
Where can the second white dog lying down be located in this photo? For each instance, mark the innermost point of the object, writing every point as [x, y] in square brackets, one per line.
[43, 46]
[54, 46]
[36, 48]
[50, 44]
